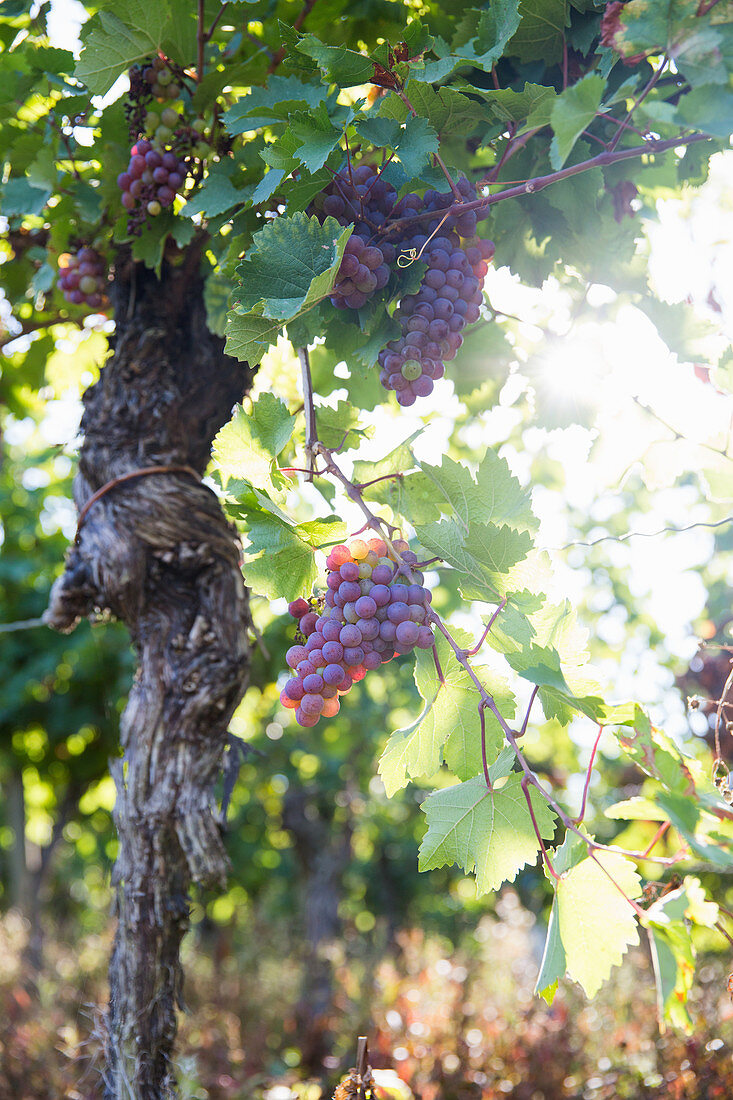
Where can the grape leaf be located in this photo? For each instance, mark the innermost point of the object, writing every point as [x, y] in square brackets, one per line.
[483, 553]
[275, 103]
[541, 666]
[486, 831]
[335, 426]
[699, 49]
[572, 111]
[447, 110]
[113, 41]
[450, 708]
[338, 65]
[247, 445]
[412, 140]
[493, 496]
[482, 35]
[595, 921]
[541, 30]
[216, 195]
[278, 562]
[250, 335]
[292, 266]
[462, 752]
[554, 963]
[511, 106]
[316, 136]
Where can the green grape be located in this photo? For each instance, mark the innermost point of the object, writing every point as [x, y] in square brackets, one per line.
[170, 118]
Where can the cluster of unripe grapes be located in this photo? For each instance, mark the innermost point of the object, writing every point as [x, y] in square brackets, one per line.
[161, 157]
[83, 278]
[371, 613]
[161, 79]
[451, 291]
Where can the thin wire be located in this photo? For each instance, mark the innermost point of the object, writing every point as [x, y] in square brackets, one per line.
[639, 535]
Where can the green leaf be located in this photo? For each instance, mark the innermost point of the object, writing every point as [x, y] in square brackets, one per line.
[113, 41]
[247, 446]
[293, 265]
[483, 553]
[700, 46]
[338, 65]
[489, 832]
[709, 109]
[413, 141]
[216, 195]
[595, 921]
[250, 335]
[572, 111]
[669, 918]
[511, 106]
[275, 103]
[396, 462]
[316, 136]
[482, 35]
[494, 495]
[462, 752]
[336, 425]
[541, 29]
[450, 711]
[554, 963]
[657, 755]
[18, 196]
[541, 666]
[278, 563]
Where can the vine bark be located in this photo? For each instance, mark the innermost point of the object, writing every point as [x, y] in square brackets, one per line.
[158, 553]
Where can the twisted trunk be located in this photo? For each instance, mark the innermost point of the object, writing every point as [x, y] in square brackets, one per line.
[157, 552]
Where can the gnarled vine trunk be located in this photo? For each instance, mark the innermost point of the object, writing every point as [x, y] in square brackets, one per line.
[158, 553]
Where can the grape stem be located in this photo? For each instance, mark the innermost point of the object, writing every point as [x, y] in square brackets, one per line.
[539, 183]
[484, 761]
[200, 42]
[209, 34]
[484, 636]
[581, 815]
[657, 837]
[384, 477]
[642, 96]
[537, 833]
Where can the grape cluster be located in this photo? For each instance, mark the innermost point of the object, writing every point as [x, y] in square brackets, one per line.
[83, 278]
[359, 197]
[449, 296]
[164, 140]
[370, 614]
[451, 290]
[362, 273]
[161, 79]
[152, 179]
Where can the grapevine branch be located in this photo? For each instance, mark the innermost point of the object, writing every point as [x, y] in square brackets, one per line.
[588, 774]
[539, 183]
[385, 531]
